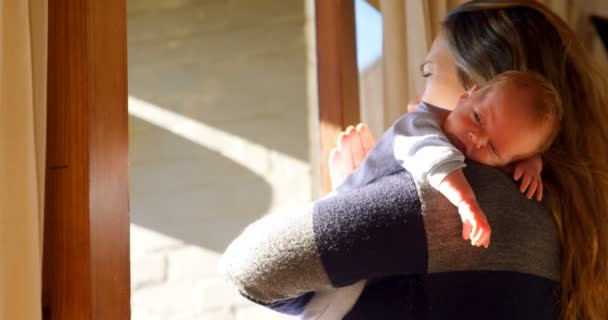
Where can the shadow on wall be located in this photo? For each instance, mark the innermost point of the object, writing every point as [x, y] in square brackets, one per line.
[188, 192]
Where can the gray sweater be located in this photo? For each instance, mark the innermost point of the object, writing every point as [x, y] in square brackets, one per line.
[394, 250]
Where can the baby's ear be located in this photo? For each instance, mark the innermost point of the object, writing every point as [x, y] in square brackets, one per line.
[473, 89]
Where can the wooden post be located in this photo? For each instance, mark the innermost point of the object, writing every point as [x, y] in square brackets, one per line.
[337, 74]
[86, 232]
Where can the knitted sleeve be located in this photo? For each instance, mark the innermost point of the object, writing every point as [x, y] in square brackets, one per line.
[373, 231]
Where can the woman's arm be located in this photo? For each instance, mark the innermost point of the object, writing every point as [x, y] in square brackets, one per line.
[374, 231]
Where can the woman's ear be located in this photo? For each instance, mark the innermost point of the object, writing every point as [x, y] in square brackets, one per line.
[465, 95]
[468, 93]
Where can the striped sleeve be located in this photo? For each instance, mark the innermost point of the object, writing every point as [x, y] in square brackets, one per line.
[373, 231]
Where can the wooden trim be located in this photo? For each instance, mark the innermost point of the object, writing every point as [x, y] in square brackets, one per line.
[375, 4]
[337, 74]
[86, 232]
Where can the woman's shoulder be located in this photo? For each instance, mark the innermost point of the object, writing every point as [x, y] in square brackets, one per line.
[523, 239]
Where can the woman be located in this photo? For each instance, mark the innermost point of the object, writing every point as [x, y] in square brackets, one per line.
[379, 245]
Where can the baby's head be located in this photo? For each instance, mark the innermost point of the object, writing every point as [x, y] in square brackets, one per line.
[511, 117]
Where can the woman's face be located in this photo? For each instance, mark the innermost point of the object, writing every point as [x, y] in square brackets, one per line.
[442, 88]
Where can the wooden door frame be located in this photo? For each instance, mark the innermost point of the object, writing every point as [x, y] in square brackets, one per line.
[86, 271]
[337, 75]
[86, 229]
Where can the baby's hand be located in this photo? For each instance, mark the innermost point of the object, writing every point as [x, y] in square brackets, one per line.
[474, 224]
[528, 170]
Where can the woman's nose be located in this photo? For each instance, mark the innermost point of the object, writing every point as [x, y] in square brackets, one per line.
[479, 140]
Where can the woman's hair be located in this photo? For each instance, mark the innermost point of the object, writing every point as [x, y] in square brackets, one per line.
[490, 37]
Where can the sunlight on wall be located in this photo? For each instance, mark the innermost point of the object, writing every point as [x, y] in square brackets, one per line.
[258, 159]
[173, 278]
[250, 155]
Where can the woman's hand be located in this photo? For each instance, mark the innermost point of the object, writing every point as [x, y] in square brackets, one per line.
[352, 147]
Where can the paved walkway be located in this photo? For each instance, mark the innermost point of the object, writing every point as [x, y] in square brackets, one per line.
[218, 137]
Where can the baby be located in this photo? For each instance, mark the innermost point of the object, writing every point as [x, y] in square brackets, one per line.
[508, 121]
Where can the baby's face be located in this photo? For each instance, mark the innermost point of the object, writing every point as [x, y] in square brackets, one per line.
[492, 125]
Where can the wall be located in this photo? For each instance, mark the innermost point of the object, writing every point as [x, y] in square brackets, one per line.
[219, 99]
